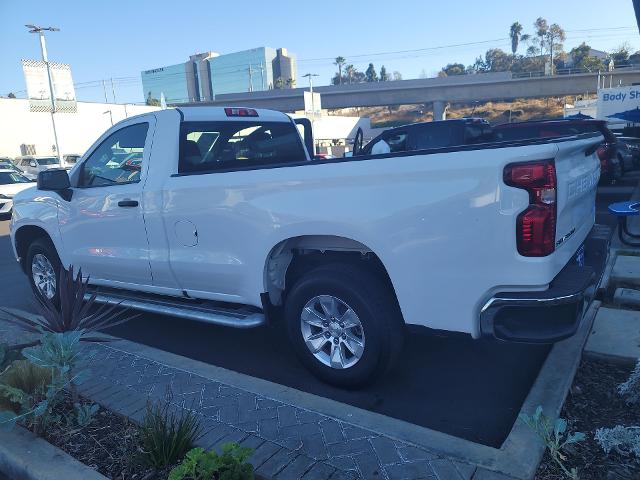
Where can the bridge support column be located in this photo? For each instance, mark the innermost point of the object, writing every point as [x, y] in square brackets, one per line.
[439, 110]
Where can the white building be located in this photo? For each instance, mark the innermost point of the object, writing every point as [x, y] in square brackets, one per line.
[76, 131]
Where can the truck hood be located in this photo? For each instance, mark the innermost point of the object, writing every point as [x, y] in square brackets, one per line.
[12, 189]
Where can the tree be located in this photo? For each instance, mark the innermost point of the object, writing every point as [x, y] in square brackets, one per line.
[495, 60]
[620, 55]
[370, 74]
[554, 39]
[397, 75]
[291, 82]
[542, 28]
[452, 69]
[11, 95]
[351, 70]
[340, 61]
[279, 83]
[423, 74]
[384, 76]
[514, 32]
[581, 59]
[634, 59]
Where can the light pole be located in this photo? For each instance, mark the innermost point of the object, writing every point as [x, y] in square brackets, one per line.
[310, 77]
[43, 49]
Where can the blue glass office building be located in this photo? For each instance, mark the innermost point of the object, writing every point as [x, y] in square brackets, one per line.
[208, 74]
[171, 80]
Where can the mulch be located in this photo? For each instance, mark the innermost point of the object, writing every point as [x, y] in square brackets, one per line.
[110, 444]
[593, 403]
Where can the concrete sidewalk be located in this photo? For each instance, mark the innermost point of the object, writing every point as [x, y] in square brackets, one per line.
[616, 329]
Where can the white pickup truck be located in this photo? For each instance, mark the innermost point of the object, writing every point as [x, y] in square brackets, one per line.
[221, 215]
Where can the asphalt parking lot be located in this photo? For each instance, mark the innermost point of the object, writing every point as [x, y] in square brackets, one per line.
[469, 389]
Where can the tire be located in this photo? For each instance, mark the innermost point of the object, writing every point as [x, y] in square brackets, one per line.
[380, 330]
[39, 253]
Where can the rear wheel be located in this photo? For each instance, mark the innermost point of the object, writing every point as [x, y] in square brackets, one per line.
[43, 269]
[344, 324]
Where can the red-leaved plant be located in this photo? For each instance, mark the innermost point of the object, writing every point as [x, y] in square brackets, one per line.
[74, 313]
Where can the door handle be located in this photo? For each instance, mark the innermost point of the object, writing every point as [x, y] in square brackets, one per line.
[128, 203]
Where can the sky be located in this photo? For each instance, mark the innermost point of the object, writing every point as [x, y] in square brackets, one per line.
[119, 38]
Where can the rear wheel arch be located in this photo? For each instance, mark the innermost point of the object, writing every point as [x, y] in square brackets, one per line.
[292, 257]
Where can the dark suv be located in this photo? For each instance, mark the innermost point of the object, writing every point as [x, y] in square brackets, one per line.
[613, 160]
[427, 135]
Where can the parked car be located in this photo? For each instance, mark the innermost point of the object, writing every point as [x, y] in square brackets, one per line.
[229, 220]
[426, 135]
[614, 160]
[625, 155]
[7, 164]
[11, 182]
[70, 159]
[32, 165]
[633, 145]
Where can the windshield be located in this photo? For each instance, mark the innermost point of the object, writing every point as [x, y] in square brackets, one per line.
[7, 166]
[47, 161]
[8, 178]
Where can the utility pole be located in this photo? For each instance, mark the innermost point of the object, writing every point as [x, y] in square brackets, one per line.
[262, 76]
[113, 91]
[250, 78]
[43, 49]
[104, 89]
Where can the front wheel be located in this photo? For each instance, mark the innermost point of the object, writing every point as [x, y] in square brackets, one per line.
[43, 269]
[344, 324]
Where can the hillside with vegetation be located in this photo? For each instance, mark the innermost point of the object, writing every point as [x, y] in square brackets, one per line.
[495, 112]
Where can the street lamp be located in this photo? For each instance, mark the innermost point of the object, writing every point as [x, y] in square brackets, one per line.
[43, 49]
[310, 77]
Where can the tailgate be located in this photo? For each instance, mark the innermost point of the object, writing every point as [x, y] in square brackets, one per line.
[577, 173]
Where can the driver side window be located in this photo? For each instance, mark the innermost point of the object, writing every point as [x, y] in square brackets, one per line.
[117, 160]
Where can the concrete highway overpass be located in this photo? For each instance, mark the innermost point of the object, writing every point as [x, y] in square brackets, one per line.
[439, 91]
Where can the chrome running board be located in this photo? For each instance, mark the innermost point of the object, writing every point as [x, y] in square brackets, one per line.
[207, 312]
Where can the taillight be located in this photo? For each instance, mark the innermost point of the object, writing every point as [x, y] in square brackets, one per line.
[536, 226]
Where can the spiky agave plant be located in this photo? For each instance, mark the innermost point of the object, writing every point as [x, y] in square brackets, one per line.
[74, 314]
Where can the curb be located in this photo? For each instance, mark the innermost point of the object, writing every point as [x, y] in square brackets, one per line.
[25, 456]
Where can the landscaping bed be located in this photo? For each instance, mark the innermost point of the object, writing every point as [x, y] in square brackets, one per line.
[592, 403]
[110, 443]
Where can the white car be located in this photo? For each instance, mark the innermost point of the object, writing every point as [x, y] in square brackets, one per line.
[222, 215]
[31, 165]
[11, 182]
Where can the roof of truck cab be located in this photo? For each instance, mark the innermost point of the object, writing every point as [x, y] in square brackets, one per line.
[205, 113]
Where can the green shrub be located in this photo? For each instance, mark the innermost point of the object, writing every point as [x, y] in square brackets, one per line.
[166, 435]
[631, 388]
[624, 440]
[57, 353]
[555, 437]
[84, 413]
[30, 379]
[229, 465]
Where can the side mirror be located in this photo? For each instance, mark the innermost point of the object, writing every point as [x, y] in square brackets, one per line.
[33, 164]
[55, 180]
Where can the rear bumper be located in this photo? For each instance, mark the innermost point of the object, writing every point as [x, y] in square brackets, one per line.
[553, 314]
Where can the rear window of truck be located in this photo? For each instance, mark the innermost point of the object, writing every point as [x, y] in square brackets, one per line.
[210, 146]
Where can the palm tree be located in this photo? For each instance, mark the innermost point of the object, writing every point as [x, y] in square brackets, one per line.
[514, 32]
[340, 61]
[291, 82]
